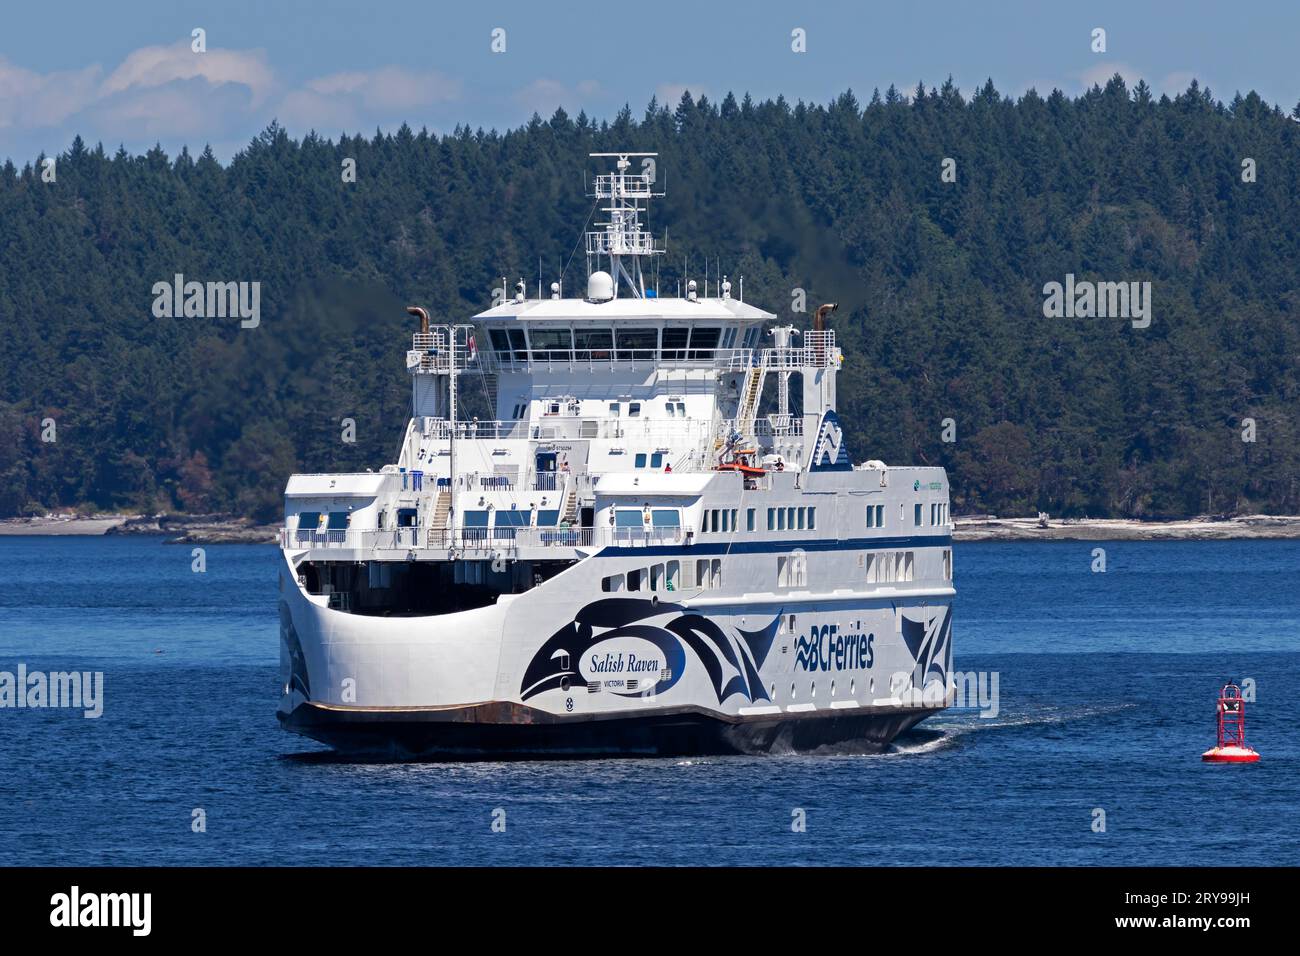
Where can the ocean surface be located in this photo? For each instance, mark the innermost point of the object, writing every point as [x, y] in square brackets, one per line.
[1107, 685]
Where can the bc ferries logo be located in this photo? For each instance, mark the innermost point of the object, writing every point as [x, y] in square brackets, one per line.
[826, 649]
[829, 454]
[611, 642]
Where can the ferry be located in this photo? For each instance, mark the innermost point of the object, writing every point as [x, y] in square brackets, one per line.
[658, 544]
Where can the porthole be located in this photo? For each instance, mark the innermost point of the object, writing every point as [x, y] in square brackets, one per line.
[564, 684]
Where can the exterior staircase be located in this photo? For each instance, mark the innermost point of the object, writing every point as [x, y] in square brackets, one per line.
[747, 410]
[441, 508]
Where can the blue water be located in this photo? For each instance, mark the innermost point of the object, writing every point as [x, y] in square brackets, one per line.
[1106, 693]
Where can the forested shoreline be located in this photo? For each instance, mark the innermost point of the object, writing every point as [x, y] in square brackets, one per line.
[940, 279]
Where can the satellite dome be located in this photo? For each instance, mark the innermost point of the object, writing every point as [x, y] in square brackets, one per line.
[600, 286]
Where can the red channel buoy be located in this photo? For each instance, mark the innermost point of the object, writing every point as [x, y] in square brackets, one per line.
[1231, 747]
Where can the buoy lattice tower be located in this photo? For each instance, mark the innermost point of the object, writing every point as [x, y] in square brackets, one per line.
[1231, 713]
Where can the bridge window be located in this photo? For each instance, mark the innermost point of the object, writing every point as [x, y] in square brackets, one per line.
[308, 520]
[338, 521]
[703, 342]
[509, 344]
[675, 339]
[550, 343]
[657, 460]
[636, 344]
[640, 460]
[593, 343]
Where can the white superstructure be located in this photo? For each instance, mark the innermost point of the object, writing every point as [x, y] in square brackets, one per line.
[635, 555]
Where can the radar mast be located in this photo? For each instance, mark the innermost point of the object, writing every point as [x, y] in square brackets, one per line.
[621, 238]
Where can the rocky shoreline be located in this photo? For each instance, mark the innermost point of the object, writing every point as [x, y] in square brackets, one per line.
[1243, 527]
[175, 528]
[231, 529]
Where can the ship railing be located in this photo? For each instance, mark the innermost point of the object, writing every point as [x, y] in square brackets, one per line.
[618, 359]
[645, 536]
[508, 540]
[817, 350]
[354, 539]
[568, 426]
[769, 425]
[474, 428]
[479, 540]
[482, 541]
[430, 353]
[557, 537]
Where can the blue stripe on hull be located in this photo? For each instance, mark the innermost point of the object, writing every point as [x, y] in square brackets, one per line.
[782, 547]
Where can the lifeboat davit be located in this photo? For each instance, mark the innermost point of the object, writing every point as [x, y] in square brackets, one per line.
[1231, 747]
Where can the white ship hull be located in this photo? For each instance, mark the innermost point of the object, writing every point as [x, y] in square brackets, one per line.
[636, 561]
[549, 673]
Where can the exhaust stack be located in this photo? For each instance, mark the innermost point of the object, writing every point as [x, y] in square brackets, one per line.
[424, 317]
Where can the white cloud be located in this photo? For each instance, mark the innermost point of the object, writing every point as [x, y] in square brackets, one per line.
[155, 66]
[172, 94]
[34, 100]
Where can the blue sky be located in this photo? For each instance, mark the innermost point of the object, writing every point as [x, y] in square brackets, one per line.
[124, 73]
